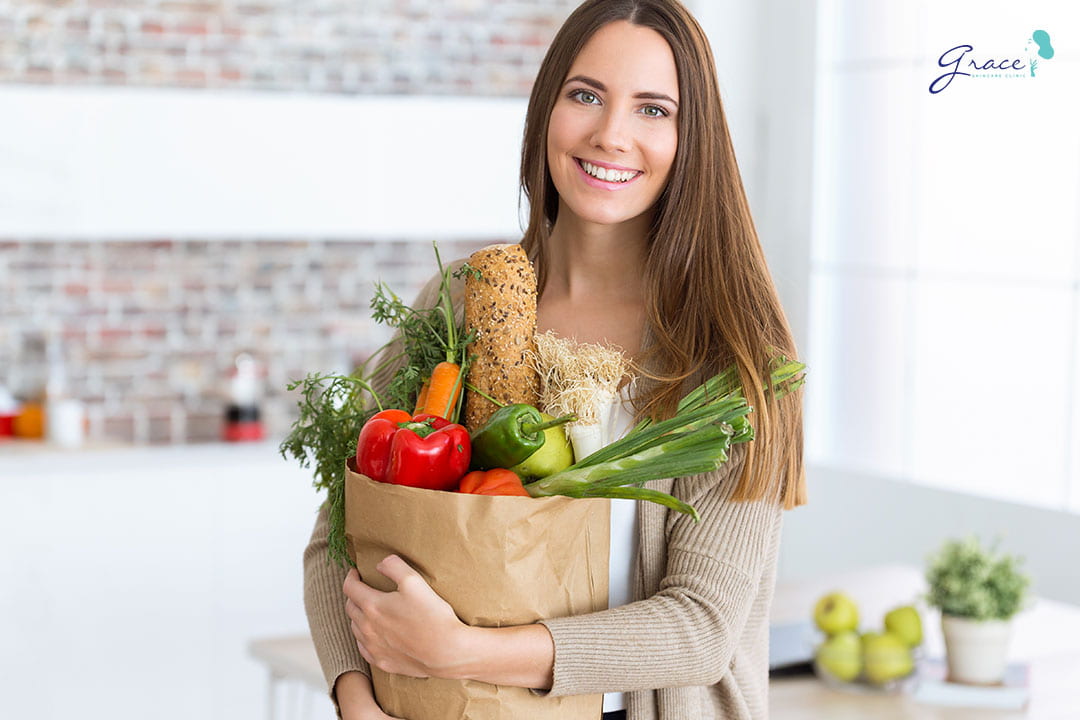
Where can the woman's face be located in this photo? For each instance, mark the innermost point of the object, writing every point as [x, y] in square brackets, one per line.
[616, 117]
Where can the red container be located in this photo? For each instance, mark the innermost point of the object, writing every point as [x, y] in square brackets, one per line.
[243, 431]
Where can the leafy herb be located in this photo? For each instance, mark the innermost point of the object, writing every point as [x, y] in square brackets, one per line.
[468, 270]
[423, 334]
[429, 336]
[332, 411]
[333, 408]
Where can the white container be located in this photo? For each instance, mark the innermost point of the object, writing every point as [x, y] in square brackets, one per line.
[65, 422]
[976, 650]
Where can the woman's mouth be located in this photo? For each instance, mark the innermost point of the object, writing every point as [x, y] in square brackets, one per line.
[606, 178]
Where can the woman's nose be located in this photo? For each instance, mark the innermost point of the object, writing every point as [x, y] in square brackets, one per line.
[611, 133]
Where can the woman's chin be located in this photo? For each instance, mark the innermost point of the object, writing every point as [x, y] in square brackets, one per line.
[600, 216]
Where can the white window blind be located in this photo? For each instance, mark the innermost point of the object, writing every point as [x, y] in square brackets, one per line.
[945, 278]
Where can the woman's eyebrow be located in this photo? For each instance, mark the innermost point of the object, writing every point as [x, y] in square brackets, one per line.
[602, 88]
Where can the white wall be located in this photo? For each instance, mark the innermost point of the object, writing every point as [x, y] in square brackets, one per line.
[855, 520]
[766, 62]
[764, 55]
[141, 162]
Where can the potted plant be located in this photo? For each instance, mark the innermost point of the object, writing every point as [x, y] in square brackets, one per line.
[978, 592]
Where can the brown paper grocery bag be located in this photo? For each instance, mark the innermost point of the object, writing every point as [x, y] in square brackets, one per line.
[497, 561]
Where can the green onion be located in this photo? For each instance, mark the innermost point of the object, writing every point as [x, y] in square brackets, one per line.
[708, 421]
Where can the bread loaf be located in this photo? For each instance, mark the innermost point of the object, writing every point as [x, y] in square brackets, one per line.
[500, 307]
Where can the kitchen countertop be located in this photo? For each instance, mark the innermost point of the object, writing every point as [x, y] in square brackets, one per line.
[31, 455]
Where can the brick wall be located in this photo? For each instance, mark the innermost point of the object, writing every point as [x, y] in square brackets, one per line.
[358, 46]
[148, 329]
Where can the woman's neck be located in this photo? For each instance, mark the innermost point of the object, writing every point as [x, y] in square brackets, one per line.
[588, 262]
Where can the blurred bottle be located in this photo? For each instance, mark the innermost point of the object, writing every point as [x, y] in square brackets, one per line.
[9, 408]
[65, 416]
[30, 421]
[30, 388]
[243, 419]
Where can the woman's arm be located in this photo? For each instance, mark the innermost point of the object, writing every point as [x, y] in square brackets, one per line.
[521, 656]
[355, 698]
[325, 607]
[711, 599]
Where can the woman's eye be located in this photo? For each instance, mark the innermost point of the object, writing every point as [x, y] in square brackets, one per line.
[654, 111]
[585, 96]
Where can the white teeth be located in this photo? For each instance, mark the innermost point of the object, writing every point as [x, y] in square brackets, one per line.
[607, 174]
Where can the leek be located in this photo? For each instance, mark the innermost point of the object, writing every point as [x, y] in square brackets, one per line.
[708, 421]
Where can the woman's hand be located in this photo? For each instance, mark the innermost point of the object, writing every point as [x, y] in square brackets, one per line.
[411, 631]
[356, 699]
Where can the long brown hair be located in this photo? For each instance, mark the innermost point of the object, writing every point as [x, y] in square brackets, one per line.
[710, 300]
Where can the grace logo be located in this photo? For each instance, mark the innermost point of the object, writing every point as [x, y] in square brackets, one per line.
[962, 62]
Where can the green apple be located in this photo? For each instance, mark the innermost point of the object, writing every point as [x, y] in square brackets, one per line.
[555, 455]
[836, 613]
[841, 655]
[904, 622]
[885, 657]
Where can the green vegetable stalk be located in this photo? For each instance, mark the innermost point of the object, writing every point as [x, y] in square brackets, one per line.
[707, 422]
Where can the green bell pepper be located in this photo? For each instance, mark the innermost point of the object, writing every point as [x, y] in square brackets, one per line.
[510, 435]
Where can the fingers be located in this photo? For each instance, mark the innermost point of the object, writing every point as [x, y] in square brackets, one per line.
[356, 626]
[356, 618]
[396, 569]
[392, 567]
[358, 591]
[360, 645]
[381, 658]
[385, 625]
[351, 581]
[353, 611]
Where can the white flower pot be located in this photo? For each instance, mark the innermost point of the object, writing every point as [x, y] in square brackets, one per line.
[976, 650]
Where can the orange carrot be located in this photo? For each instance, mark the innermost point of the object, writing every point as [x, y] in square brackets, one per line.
[444, 387]
[422, 397]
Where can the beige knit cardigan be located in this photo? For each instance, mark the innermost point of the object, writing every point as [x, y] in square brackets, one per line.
[694, 643]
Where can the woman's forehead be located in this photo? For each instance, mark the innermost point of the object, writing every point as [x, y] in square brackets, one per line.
[628, 58]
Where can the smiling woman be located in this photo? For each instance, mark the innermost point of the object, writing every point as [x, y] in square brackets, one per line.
[641, 238]
[609, 130]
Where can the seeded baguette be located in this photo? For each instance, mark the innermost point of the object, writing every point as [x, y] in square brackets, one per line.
[500, 306]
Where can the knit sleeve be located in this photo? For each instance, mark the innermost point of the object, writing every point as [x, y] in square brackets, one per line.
[687, 632]
[324, 602]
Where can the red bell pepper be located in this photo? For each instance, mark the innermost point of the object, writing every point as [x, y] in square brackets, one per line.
[493, 482]
[423, 451]
[373, 445]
